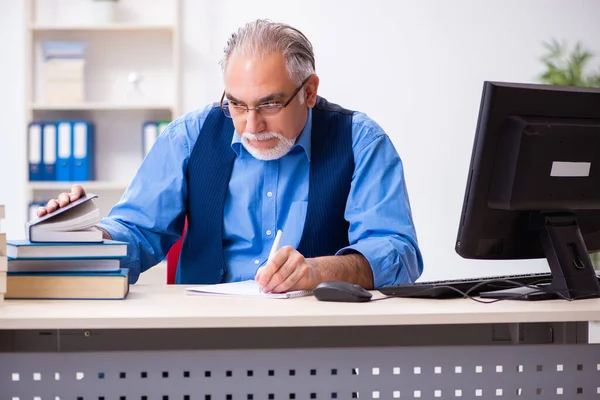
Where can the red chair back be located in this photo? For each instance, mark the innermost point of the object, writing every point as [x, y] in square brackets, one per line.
[173, 258]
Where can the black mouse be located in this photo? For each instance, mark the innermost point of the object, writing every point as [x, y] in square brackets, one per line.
[341, 291]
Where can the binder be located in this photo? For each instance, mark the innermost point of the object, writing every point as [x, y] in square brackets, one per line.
[149, 135]
[32, 211]
[64, 168]
[49, 152]
[162, 125]
[83, 151]
[35, 151]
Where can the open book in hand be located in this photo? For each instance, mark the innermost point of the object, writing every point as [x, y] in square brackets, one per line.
[72, 223]
[248, 288]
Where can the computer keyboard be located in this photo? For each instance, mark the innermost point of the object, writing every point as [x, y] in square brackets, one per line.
[443, 289]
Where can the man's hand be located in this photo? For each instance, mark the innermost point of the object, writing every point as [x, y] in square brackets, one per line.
[287, 270]
[62, 200]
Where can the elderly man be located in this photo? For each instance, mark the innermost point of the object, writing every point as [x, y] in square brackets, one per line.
[272, 155]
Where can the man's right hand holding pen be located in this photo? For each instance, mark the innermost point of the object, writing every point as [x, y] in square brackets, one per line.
[286, 270]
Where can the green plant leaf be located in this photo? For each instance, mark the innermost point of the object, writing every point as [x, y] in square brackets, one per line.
[567, 68]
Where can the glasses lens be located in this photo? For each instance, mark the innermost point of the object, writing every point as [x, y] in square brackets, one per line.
[226, 110]
[270, 109]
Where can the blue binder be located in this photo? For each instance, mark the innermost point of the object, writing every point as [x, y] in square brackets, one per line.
[83, 151]
[64, 151]
[149, 135]
[34, 153]
[49, 151]
[32, 209]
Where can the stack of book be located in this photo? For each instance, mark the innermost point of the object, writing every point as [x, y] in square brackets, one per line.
[3, 260]
[64, 257]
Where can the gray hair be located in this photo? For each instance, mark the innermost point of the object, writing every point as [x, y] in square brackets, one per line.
[263, 37]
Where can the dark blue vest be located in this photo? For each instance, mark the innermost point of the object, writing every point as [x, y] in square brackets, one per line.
[209, 169]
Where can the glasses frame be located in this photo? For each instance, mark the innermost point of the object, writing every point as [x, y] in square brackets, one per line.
[258, 108]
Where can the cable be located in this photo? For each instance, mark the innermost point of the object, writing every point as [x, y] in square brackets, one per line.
[536, 290]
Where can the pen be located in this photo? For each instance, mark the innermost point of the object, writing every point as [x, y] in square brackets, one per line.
[274, 248]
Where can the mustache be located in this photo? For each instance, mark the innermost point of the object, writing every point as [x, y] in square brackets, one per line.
[261, 136]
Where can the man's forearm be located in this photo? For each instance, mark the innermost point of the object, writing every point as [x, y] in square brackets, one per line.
[352, 268]
[105, 235]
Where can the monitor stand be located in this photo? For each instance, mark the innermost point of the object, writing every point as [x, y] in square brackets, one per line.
[573, 275]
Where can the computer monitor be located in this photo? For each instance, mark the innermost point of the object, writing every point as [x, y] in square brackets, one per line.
[533, 187]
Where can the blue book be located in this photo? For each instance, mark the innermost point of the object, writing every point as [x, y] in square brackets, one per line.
[26, 250]
[68, 285]
[63, 49]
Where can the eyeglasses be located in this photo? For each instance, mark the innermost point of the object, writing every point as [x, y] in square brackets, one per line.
[266, 110]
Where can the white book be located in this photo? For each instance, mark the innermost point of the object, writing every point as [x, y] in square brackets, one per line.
[3, 245]
[47, 250]
[72, 223]
[247, 288]
[3, 283]
[59, 265]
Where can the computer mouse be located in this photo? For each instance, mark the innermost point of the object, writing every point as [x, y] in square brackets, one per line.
[341, 291]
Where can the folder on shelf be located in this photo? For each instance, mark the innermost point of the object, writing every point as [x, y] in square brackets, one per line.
[35, 151]
[63, 71]
[64, 168]
[33, 206]
[149, 135]
[83, 151]
[49, 151]
[162, 125]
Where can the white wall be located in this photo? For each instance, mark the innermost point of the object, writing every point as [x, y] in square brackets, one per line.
[417, 67]
[13, 172]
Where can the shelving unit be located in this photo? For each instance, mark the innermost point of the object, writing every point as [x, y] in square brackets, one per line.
[140, 41]
[90, 185]
[125, 27]
[101, 106]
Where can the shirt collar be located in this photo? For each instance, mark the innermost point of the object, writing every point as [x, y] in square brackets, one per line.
[302, 144]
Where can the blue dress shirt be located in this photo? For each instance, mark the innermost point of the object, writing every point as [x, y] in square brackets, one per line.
[264, 196]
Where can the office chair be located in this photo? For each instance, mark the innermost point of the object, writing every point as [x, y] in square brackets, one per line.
[173, 257]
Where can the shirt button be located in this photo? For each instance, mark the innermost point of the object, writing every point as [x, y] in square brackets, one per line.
[268, 232]
[269, 194]
[256, 262]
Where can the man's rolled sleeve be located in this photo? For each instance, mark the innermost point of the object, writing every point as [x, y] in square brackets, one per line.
[392, 260]
[378, 209]
[119, 232]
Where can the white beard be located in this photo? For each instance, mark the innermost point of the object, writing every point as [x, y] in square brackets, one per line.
[283, 146]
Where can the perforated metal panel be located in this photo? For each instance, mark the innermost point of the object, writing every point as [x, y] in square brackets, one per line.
[476, 372]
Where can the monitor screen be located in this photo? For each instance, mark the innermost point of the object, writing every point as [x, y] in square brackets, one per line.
[533, 187]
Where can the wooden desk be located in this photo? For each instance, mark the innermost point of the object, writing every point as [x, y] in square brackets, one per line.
[161, 343]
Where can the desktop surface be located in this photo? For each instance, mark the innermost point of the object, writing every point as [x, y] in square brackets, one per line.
[168, 306]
